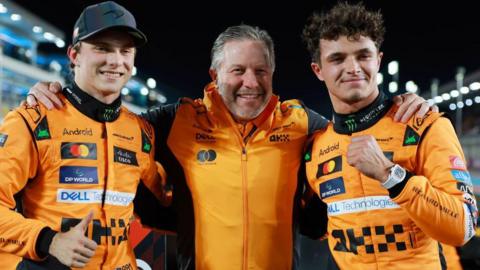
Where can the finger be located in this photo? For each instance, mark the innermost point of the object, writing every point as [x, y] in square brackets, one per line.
[46, 102]
[412, 108]
[83, 225]
[85, 252]
[31, 100]
[90, 244]
[435, 109]
[424, 108]
[78, 264]
[55, 87]
[398, 100]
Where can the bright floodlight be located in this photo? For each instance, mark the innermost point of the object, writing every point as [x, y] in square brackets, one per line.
[144, 91]
[151, 83]
[454, 93]
[445, 96]
[393, 68]
[475, 86]
[411, 87]
[393, 87]
[464, 90]
[452, 106]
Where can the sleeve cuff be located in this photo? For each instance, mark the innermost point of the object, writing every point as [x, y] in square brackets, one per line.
[44, 240]
[395, 190]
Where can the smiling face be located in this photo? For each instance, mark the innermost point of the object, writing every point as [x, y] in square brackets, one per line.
[103, 64]
[349, 69]
[244, 78]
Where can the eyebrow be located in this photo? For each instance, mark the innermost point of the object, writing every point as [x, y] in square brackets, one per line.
[340, 54]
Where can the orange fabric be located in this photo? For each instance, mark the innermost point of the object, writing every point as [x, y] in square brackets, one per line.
[246, 223]
[75, 161]
[368, 229]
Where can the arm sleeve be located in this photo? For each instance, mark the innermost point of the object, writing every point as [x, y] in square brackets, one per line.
[18, 164]
[439, 196]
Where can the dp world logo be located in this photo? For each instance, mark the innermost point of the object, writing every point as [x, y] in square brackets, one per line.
[206, 155]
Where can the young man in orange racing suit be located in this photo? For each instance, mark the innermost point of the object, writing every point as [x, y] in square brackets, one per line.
[233, 159]
[396, 193]
[85, 160]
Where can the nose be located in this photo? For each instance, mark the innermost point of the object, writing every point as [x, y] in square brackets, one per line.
[114, 58]
[352, 66]
[250, 79]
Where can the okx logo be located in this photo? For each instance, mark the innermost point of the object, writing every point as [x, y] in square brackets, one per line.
[204, 156]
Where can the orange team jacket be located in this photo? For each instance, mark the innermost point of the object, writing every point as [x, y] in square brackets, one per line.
[241, 187]
[61, 164]
[370, 227]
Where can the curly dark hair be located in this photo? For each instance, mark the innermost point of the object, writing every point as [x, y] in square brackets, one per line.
[344, 19]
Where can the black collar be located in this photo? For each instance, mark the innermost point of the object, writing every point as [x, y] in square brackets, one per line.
[90, 106]
[363, 119]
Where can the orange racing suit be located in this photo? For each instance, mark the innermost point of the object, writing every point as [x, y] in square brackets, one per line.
[370, 227]
[61, 164]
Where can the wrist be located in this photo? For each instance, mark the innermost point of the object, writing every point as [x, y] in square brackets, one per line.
[397, 174]
[44, 240]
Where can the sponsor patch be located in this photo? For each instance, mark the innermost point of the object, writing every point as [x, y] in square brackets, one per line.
[362, 204]
[206, 155]
[42, 132]
[279, 138]
[77, 131]
[78, 175]
[71, 150]
[329, 166]
[332, 187]
[146, 143]
[462, 176]
[3, 139]
[411, 137]
[457, 163]
[329, 149]
[124, 156]
[94, 196]
[465, 188]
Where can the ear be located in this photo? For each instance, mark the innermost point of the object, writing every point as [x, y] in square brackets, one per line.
[379, 59]
[213, 74]
[72, 55]
[317, 69]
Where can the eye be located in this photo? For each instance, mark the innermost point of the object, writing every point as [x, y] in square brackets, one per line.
[101, 48]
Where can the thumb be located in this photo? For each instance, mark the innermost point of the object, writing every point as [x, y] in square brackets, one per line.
[83, 225]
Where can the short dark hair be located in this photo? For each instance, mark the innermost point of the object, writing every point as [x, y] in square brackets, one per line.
[344, 19]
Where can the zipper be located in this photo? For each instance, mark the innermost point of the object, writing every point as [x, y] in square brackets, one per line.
[245, 207]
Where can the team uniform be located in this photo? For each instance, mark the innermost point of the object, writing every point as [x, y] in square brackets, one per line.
[61, 164]
[370, 227]
[234, 186]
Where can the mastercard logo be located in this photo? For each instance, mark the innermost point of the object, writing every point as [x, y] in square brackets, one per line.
[329, 166]
[79, 150]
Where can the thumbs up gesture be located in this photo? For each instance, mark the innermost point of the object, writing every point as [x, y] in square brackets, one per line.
[73, 248]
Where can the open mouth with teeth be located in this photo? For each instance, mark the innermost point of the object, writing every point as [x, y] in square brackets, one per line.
[112, 74]
[249, 95]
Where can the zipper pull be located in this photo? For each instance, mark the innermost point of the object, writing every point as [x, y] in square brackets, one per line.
[244, 154]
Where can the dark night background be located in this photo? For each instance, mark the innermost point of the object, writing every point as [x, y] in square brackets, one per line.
[428, 39]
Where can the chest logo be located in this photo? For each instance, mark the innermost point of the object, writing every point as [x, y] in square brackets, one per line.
[71, 150]
[124, 156]
[329, 166]
[206, 155]
[332, 187]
